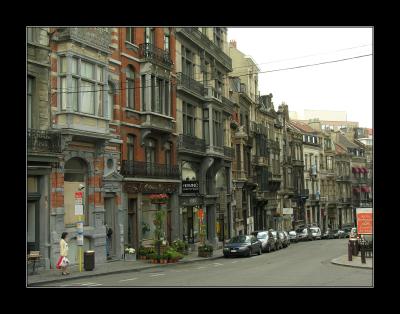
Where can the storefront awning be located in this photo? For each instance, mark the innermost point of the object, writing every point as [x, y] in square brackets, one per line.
[356, 190]
[356, 170]
[365, 170]
[366, 189]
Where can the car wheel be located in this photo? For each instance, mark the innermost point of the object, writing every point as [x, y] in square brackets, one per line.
[249, 254]
[269, 249]
[259, 251]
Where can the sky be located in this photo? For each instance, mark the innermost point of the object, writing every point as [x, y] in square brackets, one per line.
[339, 86]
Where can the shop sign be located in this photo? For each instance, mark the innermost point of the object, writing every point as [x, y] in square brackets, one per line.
[364, 220]
[190, 186]
[144, 187]
[287, 211]
[200, 213]
[78, 203]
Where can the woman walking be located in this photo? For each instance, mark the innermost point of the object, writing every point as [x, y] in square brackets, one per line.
[63, 260]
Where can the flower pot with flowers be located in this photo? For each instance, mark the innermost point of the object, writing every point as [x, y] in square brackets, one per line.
[159, 198]
[130, 254]
[204, 250]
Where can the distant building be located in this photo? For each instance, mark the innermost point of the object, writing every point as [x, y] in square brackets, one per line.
[330, 120]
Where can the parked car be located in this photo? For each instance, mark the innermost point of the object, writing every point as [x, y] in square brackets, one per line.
[278, 241]
[341, 234]
[304, 234]
[242, 245]
[315, 233]
[347, 231]
[287, 239]
[328, 234]
[267, 240]
[293, 236]
[353, 233]
[282, 237]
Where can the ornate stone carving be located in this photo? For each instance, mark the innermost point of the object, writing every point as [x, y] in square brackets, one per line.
[144, 187]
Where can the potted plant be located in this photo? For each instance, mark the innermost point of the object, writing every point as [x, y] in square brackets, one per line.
[130, 254]
[205, 250]
[159, 198]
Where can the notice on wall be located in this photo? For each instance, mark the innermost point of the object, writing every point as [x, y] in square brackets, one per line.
[364, 221]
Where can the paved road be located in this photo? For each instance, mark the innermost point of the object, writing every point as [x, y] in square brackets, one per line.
[301, 264]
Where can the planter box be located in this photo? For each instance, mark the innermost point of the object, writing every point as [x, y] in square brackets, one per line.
[130, 257]
[205, 254]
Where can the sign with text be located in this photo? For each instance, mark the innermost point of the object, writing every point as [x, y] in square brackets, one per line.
[364, 220]
[78, 203]
[287, 211]
[190, 186]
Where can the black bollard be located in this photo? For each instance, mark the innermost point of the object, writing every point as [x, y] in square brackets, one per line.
[363, 261]
[350, 251]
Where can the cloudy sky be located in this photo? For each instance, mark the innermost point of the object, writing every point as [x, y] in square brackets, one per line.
[340, 86]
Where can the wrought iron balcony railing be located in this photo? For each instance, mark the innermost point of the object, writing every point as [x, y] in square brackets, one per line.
[152, 53]
[229, 152]
[211, 92]
[44, 141]
[149, 170]
[190, 84]
[191, 143]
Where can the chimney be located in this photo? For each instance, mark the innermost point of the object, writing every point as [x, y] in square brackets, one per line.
[232, 43]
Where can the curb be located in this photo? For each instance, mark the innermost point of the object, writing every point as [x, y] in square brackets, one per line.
[346, 265]
[34, 284]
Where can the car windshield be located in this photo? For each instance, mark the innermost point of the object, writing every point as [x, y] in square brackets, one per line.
[314, 229]
[292, 232]
[261, 235]
[240, 239]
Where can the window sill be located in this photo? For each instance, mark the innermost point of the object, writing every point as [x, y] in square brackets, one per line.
[148, 112]
[131, 46]
[81, 114]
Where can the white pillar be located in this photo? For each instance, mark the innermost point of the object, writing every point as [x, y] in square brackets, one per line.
[147, 93]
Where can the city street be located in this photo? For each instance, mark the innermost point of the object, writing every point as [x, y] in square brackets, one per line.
[301, 264]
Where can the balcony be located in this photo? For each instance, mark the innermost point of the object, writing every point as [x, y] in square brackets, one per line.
[211, 93]
[149, 170]
[305, 193]
[273, 177]
[229, 152]
[343, 178]
[344, 200]
[260, 160]
[360, 180]
[151, 53]
[228, 104]
[96, 37]
[205, 43]
[151, 120]
[190, 84]
[239, 175]
[43, 141]
[214, 150]
[191, 143]
[297, 163]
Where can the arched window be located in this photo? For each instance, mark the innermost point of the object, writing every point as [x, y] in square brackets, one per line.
[220, 179]
[131, 147]
[111, 95]
[75, 174]
[130, 87]
[188, 173]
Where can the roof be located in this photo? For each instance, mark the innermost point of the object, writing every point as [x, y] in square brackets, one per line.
[302, 127]
[340, 149]
[342, 140]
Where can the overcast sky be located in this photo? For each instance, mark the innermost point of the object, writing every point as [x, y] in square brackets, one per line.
[342, 86]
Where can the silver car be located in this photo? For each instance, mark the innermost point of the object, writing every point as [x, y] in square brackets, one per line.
[293, 236]
[316, 233]
[267, 240]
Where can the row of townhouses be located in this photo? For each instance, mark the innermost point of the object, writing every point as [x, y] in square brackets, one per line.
[132, 112]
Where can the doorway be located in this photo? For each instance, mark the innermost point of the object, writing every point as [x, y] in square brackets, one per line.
[109, 220]
[133, 240]
[33, 226]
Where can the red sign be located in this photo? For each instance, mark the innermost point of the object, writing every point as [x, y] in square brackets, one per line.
[78, 196]
[200, 213]
[364, 220]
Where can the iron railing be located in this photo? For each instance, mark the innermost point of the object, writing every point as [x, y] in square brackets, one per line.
[210, 91]
[148, 169]
[152, 53]
[44, 141]
[190, 83]
[191, 143]
[229, 152]
[227, 102]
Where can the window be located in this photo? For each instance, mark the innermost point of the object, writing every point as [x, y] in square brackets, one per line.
[30, 32]
[238, 157]
[306, 161]
[188, 116]
[110, 95]
[130, 34]
[166, 39]
[217, 130]
[187, 62]
[30, 101]
[81, 85]
[144, 85]
[206, 126]
[130, 88]
[149, 35]
[131, 147]
[218, 36]
[150, 154]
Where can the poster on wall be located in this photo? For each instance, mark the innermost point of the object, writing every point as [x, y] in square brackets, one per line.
[364, 221]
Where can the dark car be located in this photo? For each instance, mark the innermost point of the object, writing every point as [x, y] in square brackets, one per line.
[242, 245]
[347, 231]
[278, 241]
[328, 234]
[267, 240]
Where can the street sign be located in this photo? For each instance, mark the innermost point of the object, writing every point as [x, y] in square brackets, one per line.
[200, 213]
[364, 220]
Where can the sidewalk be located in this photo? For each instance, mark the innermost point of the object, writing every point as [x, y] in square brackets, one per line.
[110, 267]
[356, 261]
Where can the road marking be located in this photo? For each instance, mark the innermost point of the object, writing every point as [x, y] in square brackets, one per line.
[218, 264]
[234, 262]
[200, 267]
[128, 279]
[154, 275]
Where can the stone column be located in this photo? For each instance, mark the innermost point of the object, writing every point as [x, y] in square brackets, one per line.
[175, 217]
[211, 219]
[147, 92]
[210, 124]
